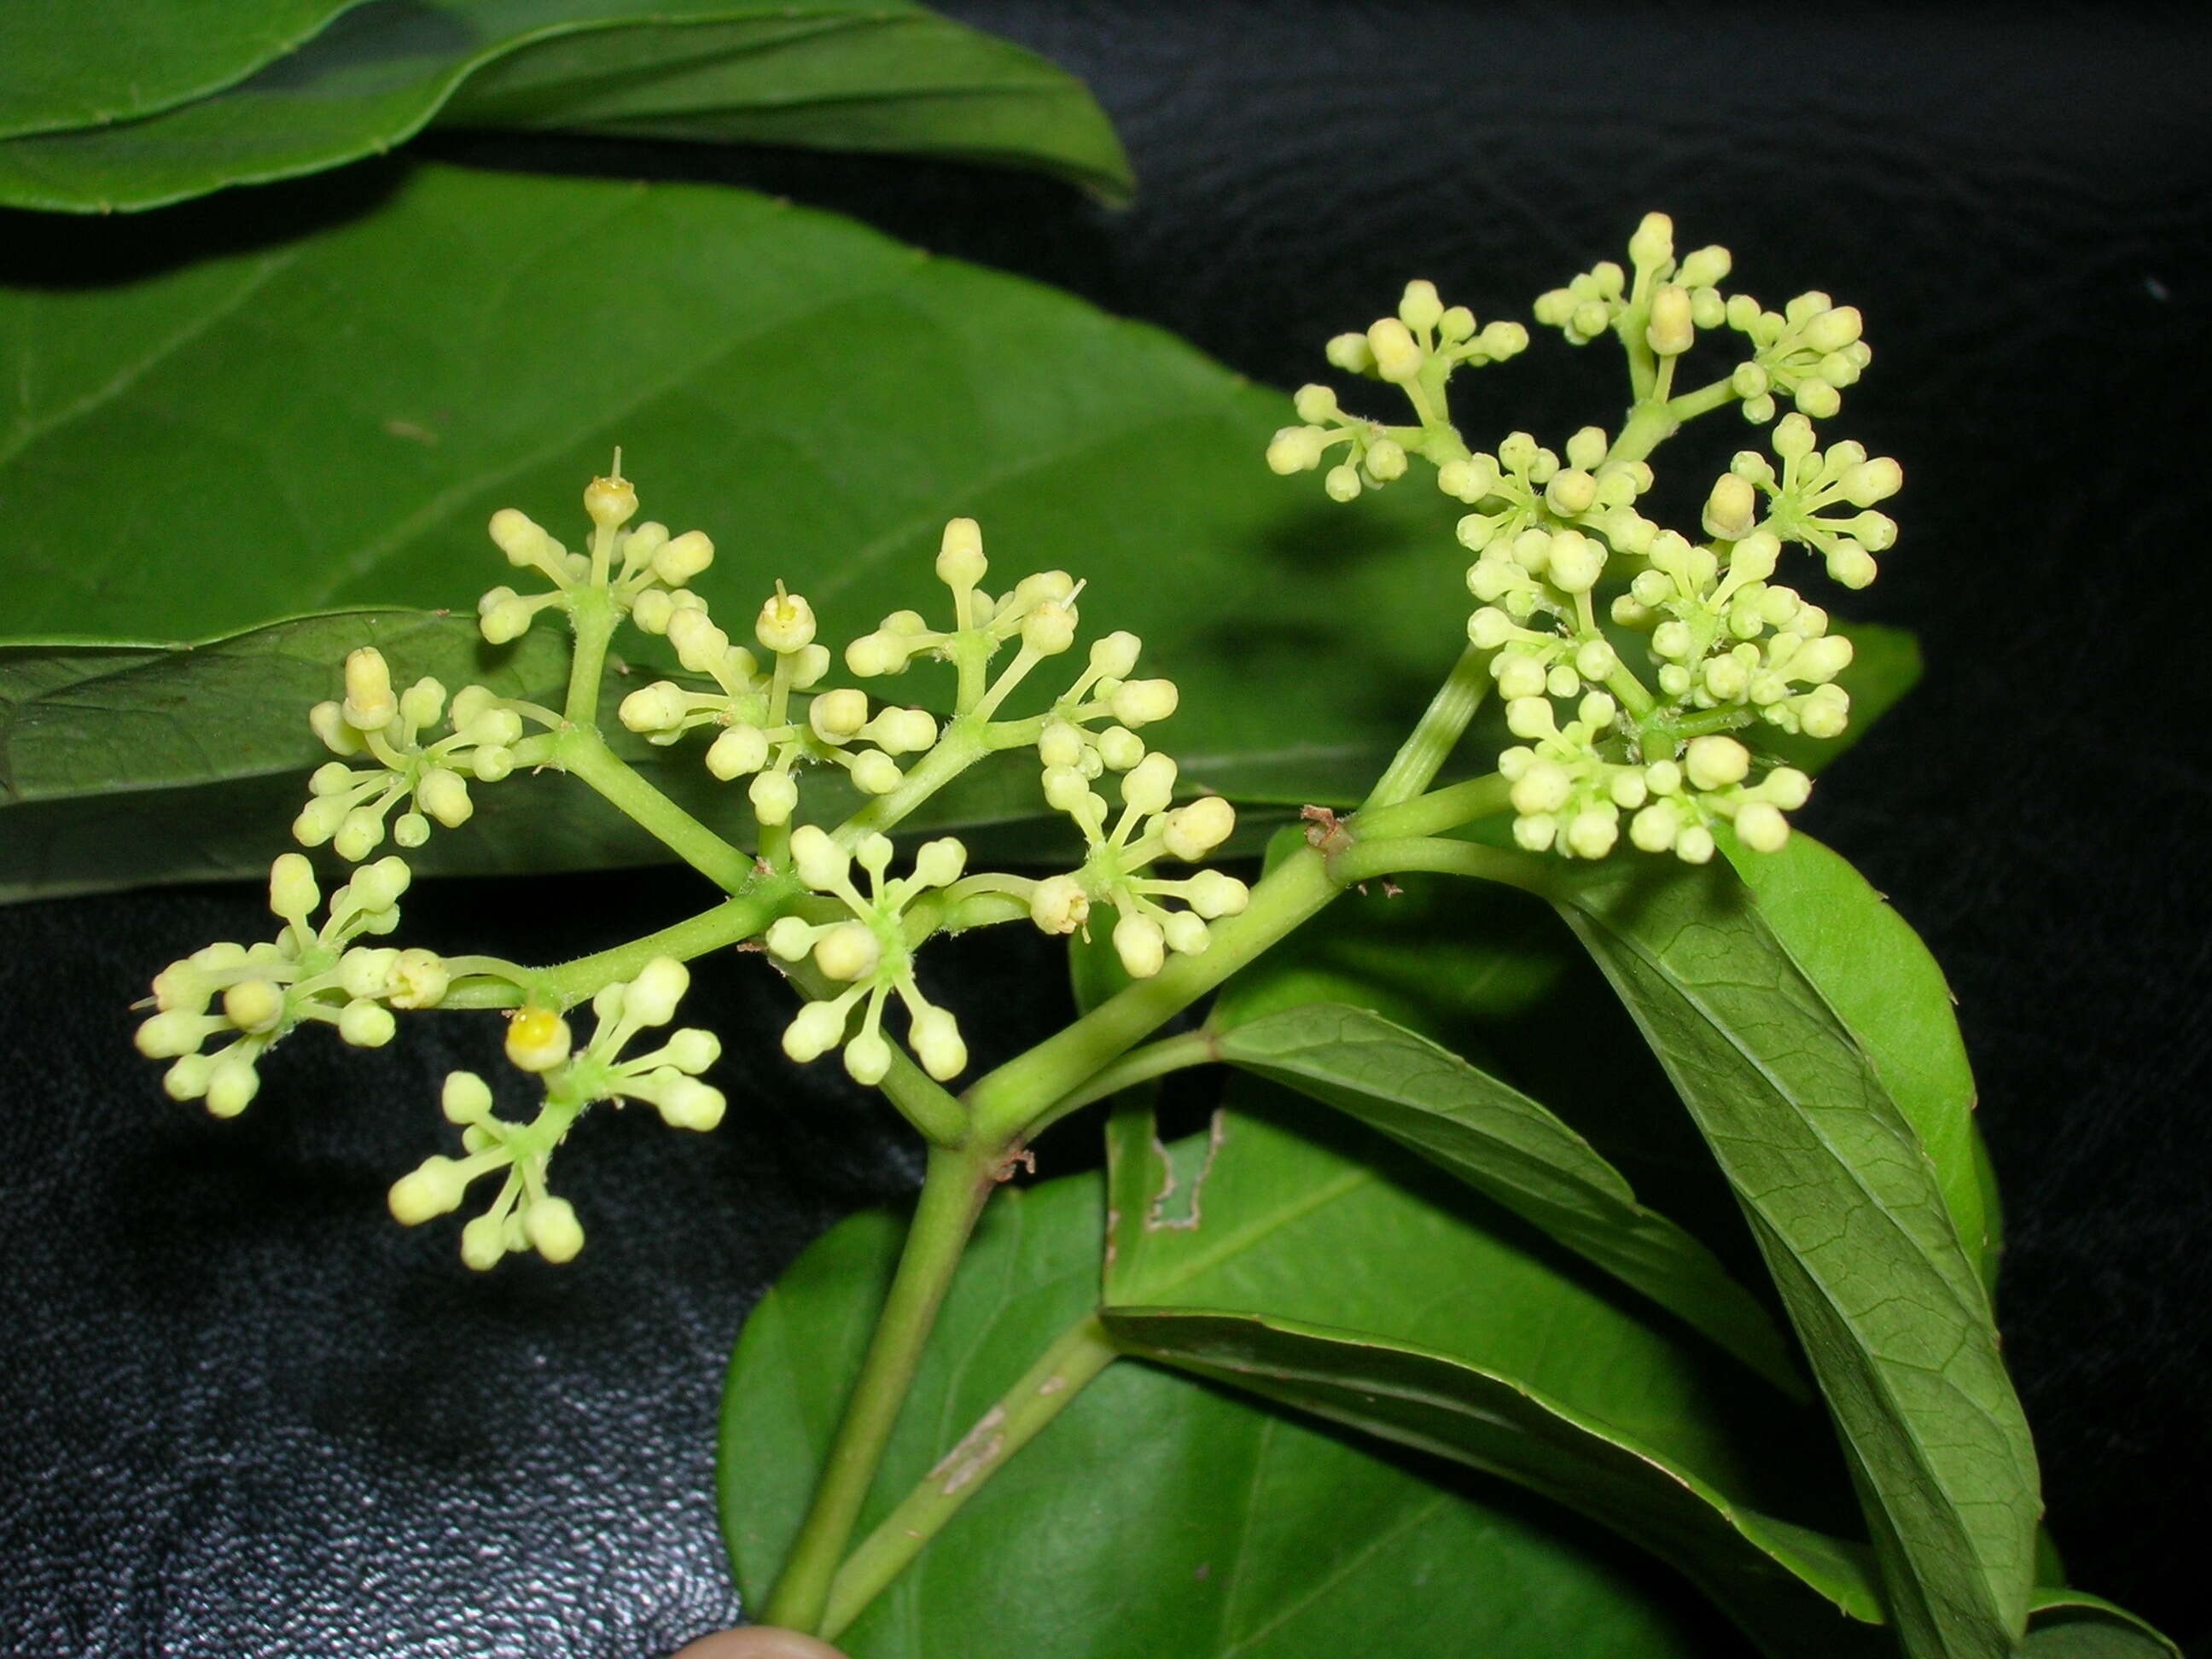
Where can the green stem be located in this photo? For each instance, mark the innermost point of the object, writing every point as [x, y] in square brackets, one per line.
[1648, 425]
[1005, 1102]
[580, 750]
[1371, 861]
[952, 1196]
[1154, 1059]
[1440, 809]
[593, 616]
[1048, 1389]
[571, 982]
[1423, 754]
[964, 742]
[1703, 401]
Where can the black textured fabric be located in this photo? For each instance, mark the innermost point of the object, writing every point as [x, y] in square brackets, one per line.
[241, 1413]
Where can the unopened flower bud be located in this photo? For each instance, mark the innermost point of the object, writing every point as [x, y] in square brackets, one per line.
[434, 1188]
[938, 863]
[369, 705]
[1141, 944]
[1398, 356]
[522, 540]
[654, 994]
[738, 752]
[849, 951]
[774, 797]
[1149, 785]
[960, 561]
[1193, 832]
[1671, 331]
[1715, 762]
[366, 1025]
[678, 561]
[1141, 702]
[1350, 353]
[938, 1044]
[1050, 629]
[1296, 449]
[1419, 307]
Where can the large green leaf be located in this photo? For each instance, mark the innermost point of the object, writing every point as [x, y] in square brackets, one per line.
[331, 420]
[1285, 1242]
[1504, 1143]
[2066, 1623]
[1850, 1216]
[1156, 1516]
[1872, 970]
[840, 74]
[78, 63]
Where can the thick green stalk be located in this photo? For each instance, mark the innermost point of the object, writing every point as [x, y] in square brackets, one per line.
[1154, 1059]
[1048, 1389]
[581, 751]
[571, 982]
[1371, 861]
[593, 616]
[952, 1196]
[1440, 809]
[1422, 755]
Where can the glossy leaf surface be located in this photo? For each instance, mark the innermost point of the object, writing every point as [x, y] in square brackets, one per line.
[1851, 1217]
[2066, 1623]
[1282, 1234]
[1872, 970]
[79, 63]
[1156, 1516]
[883, 74]
[1506, 1146]
[818, 398]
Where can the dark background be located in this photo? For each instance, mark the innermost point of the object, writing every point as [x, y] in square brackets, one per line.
[248, 1415]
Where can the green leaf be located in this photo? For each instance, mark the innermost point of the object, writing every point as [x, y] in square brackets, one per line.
[1873, 971]
[2067, 1623]
[1293, 1235]
[1156, 1516]
[1850, 1217]
[80, 63]
[885, 75]
[1757, 1567]
[331, 420]
[1506, 1146]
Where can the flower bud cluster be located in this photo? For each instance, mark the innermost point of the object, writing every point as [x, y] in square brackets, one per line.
[1675, 299]
[866, 952]
[1115, 869]
[524, 1216]
[386, 731]
[644, 571]
[1811, 481]
[1724, 637]
[1808, 352]
[1524, 486]
[1604, 758]
[1417, 350]
[760, 735]
[1570, 790]
[249, 997]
